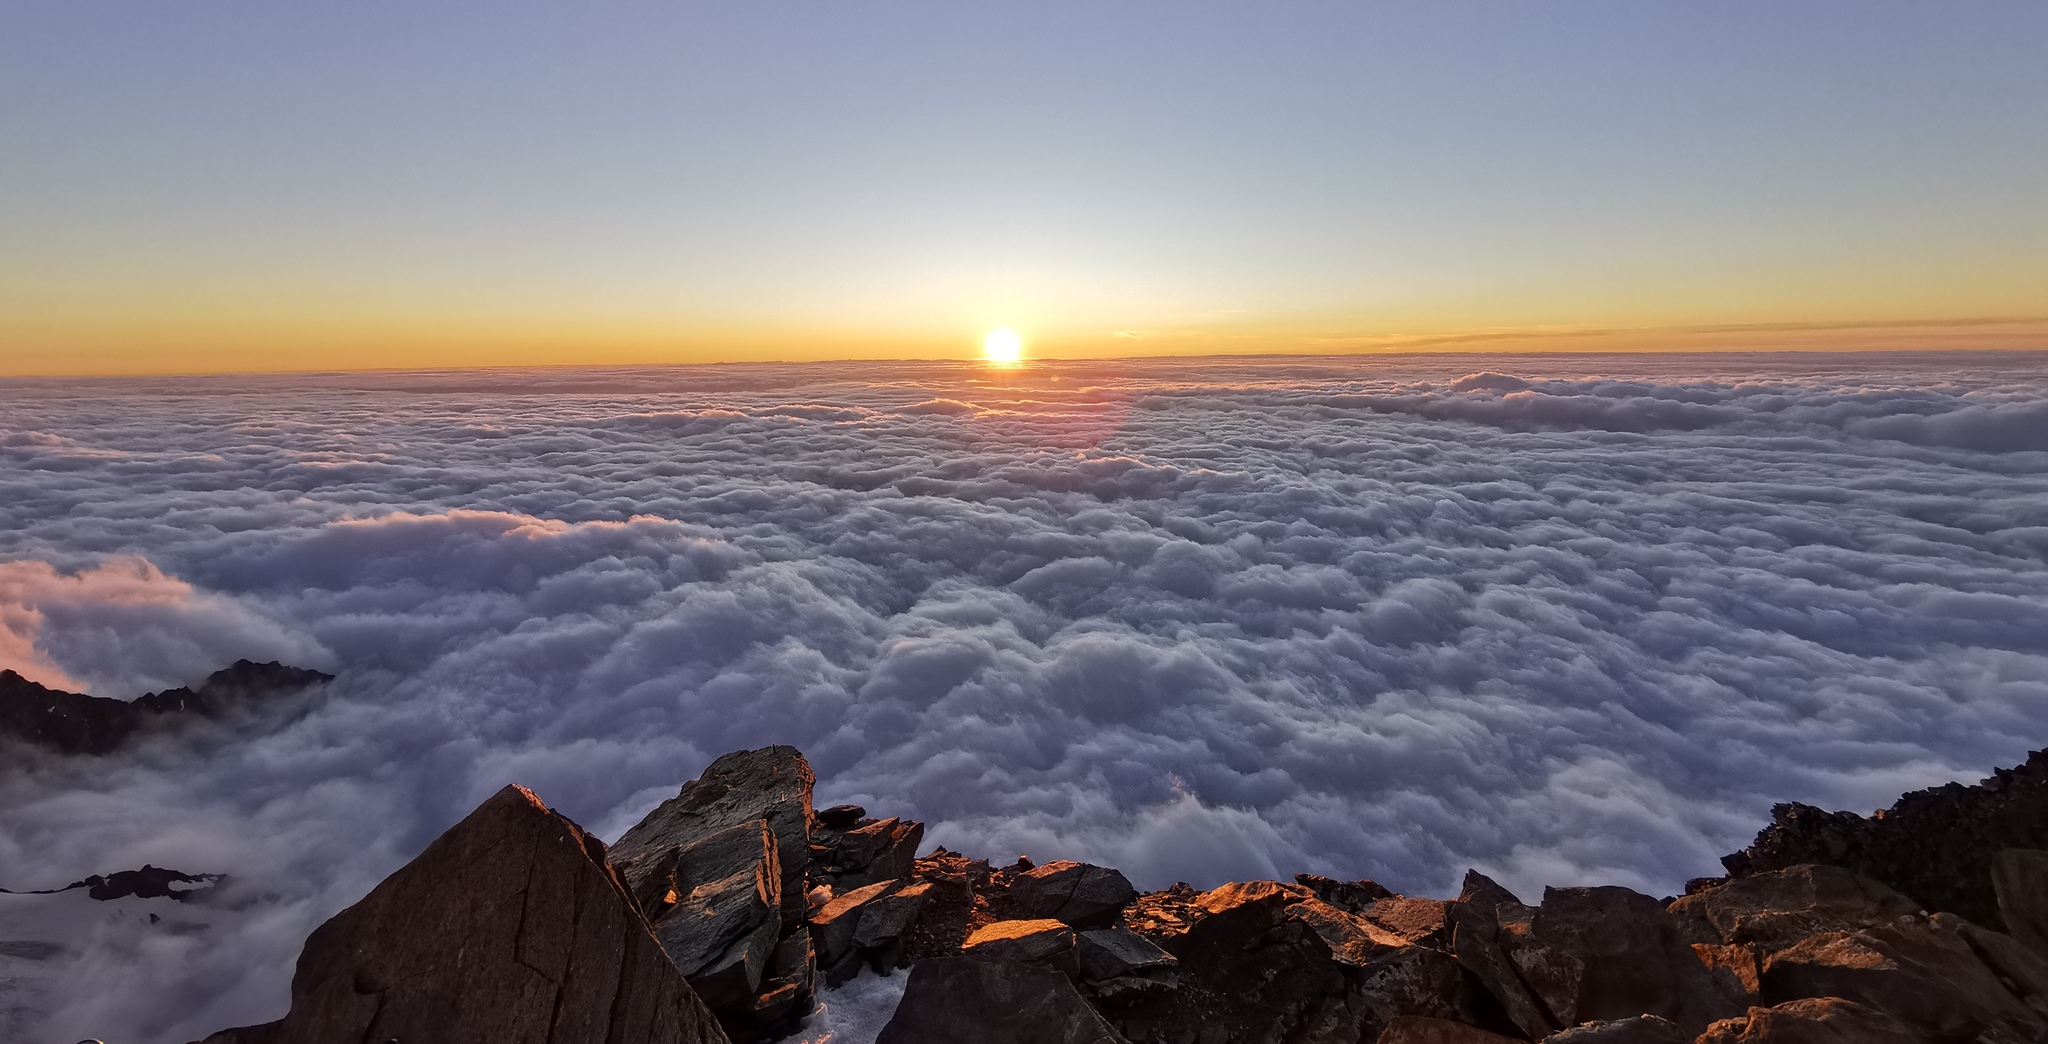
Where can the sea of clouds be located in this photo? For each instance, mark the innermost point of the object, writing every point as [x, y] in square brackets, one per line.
[1565, 619]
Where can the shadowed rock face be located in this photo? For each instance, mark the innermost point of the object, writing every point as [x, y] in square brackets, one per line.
[509, 927]
[771, 784]
[722, 870]
[950, 1000]
[1936, 846]
[74, 723]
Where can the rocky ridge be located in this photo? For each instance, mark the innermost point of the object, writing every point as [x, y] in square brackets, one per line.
[715, 918]
[74, 723]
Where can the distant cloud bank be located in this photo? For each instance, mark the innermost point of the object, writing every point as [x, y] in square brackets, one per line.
[1564, 619]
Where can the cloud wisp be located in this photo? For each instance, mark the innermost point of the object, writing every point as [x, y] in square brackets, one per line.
[1566, 619]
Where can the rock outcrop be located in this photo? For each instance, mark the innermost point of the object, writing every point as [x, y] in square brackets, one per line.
[74, 723]
[1936, 846]
[722, 870]
[716, 916]
[510, 926]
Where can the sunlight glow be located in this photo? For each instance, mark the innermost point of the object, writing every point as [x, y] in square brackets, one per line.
[1003, 347]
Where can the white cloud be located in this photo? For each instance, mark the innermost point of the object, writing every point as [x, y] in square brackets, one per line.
[1200, 619]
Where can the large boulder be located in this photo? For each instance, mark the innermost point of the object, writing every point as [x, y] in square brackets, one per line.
[1916, 971]
[771, 784]
[716, 907]
[1081, 894]
[953, 999]
[1274, 963]
[1622, 956]
[1776, 909]
[1482, 917]
[1034, 941]
[509, 927]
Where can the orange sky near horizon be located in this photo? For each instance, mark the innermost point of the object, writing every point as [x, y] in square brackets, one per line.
[249, 188]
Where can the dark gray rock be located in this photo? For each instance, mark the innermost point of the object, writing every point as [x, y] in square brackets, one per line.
[510, 926]
[1914, 970]
[885, 850]
[1108, 953]
[1475, 920]
[950, 1000]
[841, 817]
[772, 784]
[885, 920]
[1632, 958]
[834, 925]
[2019, 878]
[719, 898]
[1081, 894]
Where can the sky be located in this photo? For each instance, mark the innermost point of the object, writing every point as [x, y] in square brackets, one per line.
[1566, 619]
[227, 185]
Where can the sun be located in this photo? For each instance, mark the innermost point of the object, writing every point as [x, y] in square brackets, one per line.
[1003, 347]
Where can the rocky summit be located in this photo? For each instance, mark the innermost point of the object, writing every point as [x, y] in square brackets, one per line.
[716, 918]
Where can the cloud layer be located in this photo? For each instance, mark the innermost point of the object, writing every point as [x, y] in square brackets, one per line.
[1564, 619]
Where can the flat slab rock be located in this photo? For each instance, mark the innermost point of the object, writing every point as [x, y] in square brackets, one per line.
[951, 1000]
[772, 784]
[509, 927]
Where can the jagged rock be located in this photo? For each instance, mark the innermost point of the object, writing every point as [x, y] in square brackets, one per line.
[1776, 909]
[787, 994]
[1027, 941]
[510, 926]
[2019, 881]
[1630, 957]
[1643, 1029]
[883, 850]
[1278, 964]
[2024, 972]
[1081, 894]
[1349, 896]
[841, 817]
[1475, 920]
[772, 784]
[884, 921]
[75, 723]
[951, 999]
[1935, 846]
[1416, 1029]
[1352, 940]
[955, 904]
[150, 882]
[716, 907]
[1820, 1020]
[1108, 953]
[834, 925]
[1416, 920]
[1924, 976]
